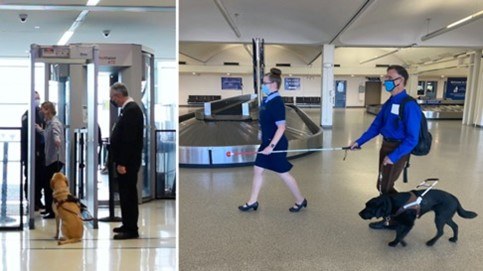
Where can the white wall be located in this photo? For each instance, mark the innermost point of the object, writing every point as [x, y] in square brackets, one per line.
[207, 78]
[210, 84]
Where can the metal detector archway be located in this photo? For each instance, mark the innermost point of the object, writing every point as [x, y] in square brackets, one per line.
[54, 56]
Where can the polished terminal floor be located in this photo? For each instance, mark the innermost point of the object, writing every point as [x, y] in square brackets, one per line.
[329, 234]
[36, 250]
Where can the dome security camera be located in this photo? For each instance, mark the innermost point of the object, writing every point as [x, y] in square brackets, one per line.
[106, 33]
[23, 17]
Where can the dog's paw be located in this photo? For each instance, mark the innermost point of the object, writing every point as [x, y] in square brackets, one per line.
[430, 243]
[453, 239]
[393, 243]
[403, 243]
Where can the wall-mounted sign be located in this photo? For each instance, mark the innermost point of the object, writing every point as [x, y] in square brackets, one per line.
[231, 83]
[55, 51]
[455, 88]
[340, 93]
[292, 83]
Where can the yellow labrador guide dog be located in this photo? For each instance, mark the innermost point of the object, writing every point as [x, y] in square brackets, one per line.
[67, 211]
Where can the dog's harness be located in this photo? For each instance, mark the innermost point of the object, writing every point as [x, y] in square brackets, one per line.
[70, 198]
[75, 200]
[414, 202]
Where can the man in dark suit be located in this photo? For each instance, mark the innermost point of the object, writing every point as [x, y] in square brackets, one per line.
[126, 144]
[39, 153]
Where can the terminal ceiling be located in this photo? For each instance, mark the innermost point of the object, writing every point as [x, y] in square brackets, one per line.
[303, 26]
[154, 25]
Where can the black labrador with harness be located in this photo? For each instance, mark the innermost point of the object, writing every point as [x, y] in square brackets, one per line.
[404, 208]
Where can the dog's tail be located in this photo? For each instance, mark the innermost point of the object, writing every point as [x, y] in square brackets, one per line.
[464, 213]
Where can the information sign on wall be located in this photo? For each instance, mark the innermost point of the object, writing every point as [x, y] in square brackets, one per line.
[340, 93]
[292, 83]
[231, 83]
[455, 88]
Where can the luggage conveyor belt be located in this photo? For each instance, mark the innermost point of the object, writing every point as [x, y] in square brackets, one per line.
[433, 110]
[204, 140]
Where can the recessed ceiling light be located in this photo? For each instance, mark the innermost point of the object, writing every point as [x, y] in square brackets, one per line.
[65, 37]
[92, 3]
[37, 27]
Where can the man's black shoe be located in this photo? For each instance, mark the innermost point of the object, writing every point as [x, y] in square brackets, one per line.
[119, 229]
[126, 235]
[382, 225]
[49, 216]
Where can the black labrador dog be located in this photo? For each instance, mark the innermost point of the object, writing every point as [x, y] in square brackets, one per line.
[442, 203]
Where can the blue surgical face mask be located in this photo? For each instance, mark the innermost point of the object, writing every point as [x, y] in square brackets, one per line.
[37, 102]
[265, 90]
[389, 85]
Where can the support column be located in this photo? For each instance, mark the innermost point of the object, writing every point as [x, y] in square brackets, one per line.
[469, 110]
[258, 48]
[412, 84]
[327, 86]
[478, 88]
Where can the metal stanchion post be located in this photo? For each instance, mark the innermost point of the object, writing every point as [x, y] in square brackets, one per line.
[111, 176]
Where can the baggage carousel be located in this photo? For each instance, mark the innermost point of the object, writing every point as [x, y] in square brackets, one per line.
[433, 109]
[208, 135]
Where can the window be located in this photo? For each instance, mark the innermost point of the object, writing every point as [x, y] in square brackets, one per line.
[15, 89]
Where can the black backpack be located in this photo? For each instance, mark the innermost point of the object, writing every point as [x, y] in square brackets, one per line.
[425, 138]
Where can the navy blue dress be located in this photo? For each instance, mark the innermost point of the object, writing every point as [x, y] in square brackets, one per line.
[271, 112]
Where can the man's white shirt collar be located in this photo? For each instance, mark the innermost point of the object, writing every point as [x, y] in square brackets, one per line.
[129, 99]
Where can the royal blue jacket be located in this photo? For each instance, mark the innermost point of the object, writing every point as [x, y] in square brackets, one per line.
[392, 127]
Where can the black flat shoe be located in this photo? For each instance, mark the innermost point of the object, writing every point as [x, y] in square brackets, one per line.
[126, 235]
[246, 207]
[298, 207]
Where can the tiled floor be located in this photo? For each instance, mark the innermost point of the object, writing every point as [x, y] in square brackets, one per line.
[329, 234]
[36, 250]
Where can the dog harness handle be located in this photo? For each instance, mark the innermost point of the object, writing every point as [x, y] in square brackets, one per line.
[425, 183]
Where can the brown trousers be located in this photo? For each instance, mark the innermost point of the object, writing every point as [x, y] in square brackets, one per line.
[390, 173]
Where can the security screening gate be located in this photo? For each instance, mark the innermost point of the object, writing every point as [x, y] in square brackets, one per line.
[84, 55]
[76, 69]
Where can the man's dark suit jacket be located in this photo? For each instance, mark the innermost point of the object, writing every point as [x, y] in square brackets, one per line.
[127, 137]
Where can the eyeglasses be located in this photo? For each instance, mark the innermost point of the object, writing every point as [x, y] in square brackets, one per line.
[266, 83]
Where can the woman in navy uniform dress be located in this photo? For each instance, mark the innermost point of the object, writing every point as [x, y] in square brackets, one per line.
[272, 126]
